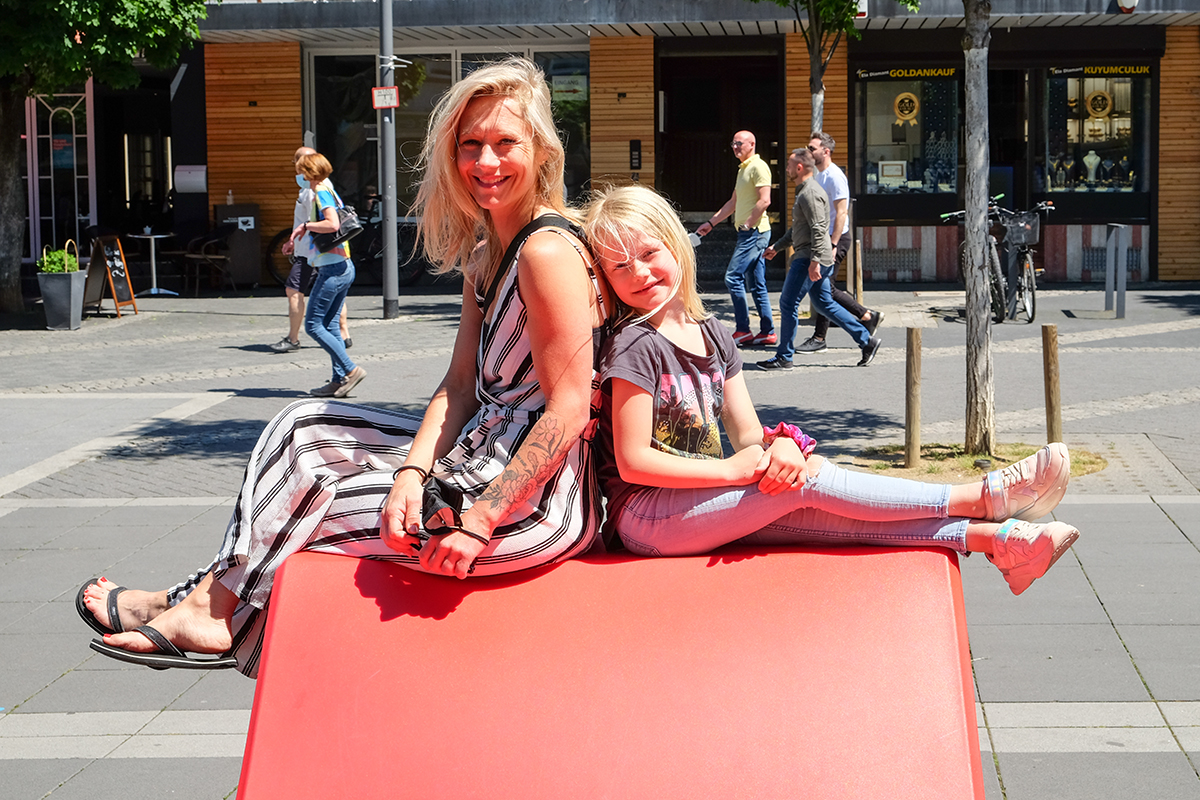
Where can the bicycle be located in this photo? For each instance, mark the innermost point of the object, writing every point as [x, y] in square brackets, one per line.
[366, 250]
[1022, 230]
[997, 286]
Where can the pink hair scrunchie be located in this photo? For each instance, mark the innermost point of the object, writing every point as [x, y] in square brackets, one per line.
[806, 443]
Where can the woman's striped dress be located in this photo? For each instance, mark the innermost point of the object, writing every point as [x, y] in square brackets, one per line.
[321, 471]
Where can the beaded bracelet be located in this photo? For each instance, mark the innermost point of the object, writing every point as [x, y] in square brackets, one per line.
[806, 443]
[424, 472]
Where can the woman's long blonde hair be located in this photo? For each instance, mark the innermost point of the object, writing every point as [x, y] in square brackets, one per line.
[612, 214]
[452, 223]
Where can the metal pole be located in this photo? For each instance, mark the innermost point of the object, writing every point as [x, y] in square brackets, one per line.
[1054, 432]
[912, 400]
[387, 147]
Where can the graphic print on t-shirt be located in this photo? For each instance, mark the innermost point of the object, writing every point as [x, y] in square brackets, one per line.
[686, 416]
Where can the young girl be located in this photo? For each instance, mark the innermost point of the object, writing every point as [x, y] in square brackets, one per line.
[671, 372]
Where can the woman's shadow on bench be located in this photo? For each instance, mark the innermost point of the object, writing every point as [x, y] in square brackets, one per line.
[402, 592]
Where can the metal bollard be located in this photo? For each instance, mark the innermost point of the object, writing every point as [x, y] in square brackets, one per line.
[912, 399]
[1116, 252]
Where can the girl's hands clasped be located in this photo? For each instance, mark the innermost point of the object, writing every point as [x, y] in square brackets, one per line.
[786, 470]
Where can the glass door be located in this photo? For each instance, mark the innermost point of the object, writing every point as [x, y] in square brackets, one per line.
[60, 190]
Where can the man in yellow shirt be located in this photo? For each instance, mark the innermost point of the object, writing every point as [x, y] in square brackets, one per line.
[748, 205]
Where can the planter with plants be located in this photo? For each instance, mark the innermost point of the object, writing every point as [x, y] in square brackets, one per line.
[61, 284]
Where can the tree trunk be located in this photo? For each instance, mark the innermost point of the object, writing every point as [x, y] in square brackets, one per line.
[981, 401]
[13, 91]
[816, 69]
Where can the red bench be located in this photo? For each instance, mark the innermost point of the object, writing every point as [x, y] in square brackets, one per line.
[815, 674]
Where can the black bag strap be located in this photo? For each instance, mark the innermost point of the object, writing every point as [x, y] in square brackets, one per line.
[544, 221]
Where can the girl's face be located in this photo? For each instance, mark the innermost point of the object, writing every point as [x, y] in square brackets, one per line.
[495, 155]
[641, 270]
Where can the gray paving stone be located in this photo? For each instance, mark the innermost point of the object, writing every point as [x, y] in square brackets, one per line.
[220, 689]
[125, 687]
[46, 574]
[1168, 657]
[164, 518]
[1087, 776]
[12, 614]
[63, 519]
[34, 779]
[154, 779]
[1032, 663]
[41, 658]
[56, 617]
[1061, 596]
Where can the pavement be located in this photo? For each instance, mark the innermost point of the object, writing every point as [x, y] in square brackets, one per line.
[123, 443]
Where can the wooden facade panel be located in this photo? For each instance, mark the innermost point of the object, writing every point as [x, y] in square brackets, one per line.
[250, 147]
[798, 108]
[622, 65]
[1179, 157]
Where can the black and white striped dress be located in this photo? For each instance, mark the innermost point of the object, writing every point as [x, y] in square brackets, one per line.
[321, 471]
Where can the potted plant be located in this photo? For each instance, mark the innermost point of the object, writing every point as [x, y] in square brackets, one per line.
[61, 284]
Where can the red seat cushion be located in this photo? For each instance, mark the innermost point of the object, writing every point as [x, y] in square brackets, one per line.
[817, 674]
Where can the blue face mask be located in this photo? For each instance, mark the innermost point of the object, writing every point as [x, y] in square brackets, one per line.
[301, 182]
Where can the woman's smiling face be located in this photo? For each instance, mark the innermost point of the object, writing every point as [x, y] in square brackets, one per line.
[641, 269]
[495, 154]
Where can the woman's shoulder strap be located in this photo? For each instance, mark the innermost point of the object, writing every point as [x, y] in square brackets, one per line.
[544, 221]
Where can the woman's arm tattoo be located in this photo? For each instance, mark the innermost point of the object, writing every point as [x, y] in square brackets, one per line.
[533, 464]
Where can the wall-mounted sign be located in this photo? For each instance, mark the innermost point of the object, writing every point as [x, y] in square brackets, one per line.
[1115, 71]
[907, 105]
[906, 73]
[385, 97]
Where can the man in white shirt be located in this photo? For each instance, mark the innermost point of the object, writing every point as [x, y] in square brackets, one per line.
[831, 178]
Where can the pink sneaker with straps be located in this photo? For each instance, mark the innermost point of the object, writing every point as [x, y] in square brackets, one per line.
[1024, 551]
[1030, 488]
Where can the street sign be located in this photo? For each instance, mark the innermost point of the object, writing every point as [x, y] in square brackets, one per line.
[385, 97]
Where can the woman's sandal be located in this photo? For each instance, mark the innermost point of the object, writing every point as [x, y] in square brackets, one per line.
[168, 656]
[88, 617]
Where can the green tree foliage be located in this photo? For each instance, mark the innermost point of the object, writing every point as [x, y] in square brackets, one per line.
[823, 23]
[49, 45]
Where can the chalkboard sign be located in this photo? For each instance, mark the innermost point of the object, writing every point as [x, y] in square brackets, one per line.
[108, 267]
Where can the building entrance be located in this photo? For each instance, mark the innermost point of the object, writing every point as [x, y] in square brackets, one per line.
[704, 98]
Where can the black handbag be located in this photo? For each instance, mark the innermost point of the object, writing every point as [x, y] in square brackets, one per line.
[348, 228]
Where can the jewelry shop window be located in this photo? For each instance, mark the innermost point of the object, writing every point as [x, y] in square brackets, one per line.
[908, 129]
[1097, 135]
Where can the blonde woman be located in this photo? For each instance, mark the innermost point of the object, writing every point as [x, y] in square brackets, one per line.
[337, 478]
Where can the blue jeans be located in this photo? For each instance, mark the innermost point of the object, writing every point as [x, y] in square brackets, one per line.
[747, 262]
[821, 295]
[795, 285]
[836, 506]
[329, 291]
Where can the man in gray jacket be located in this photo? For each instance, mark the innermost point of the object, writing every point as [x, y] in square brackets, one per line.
[812, 264]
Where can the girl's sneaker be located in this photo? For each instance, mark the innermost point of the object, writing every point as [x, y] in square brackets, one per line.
[1024, 551]
[1030, 488]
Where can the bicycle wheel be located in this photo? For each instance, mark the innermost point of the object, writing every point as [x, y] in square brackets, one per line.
[996, 279]
[1026, 290]
[278, 264]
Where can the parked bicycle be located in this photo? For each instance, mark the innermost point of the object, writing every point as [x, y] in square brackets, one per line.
[366, 249]
[1022, 231]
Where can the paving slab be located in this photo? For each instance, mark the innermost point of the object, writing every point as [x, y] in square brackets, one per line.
[1087, 776]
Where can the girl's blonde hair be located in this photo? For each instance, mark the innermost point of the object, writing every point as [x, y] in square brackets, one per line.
[452, 223]
[613, 214]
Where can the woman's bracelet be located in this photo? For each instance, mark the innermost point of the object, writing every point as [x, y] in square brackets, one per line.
[786, 430]
[479, 537]
[424, 472]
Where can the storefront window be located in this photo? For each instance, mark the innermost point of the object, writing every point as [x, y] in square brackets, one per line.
[346, 127]
[909, 129]
[1097, 130]
[567, 74]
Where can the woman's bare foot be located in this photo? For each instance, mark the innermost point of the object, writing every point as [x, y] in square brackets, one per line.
[136, 607]
[200, 623]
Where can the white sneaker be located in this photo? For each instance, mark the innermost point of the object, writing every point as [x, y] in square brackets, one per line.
[1024, 551]
[1030, 488]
